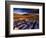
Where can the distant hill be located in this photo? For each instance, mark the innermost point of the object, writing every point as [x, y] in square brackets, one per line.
[25, 16]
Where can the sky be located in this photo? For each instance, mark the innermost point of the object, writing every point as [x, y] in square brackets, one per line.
[25, 11]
